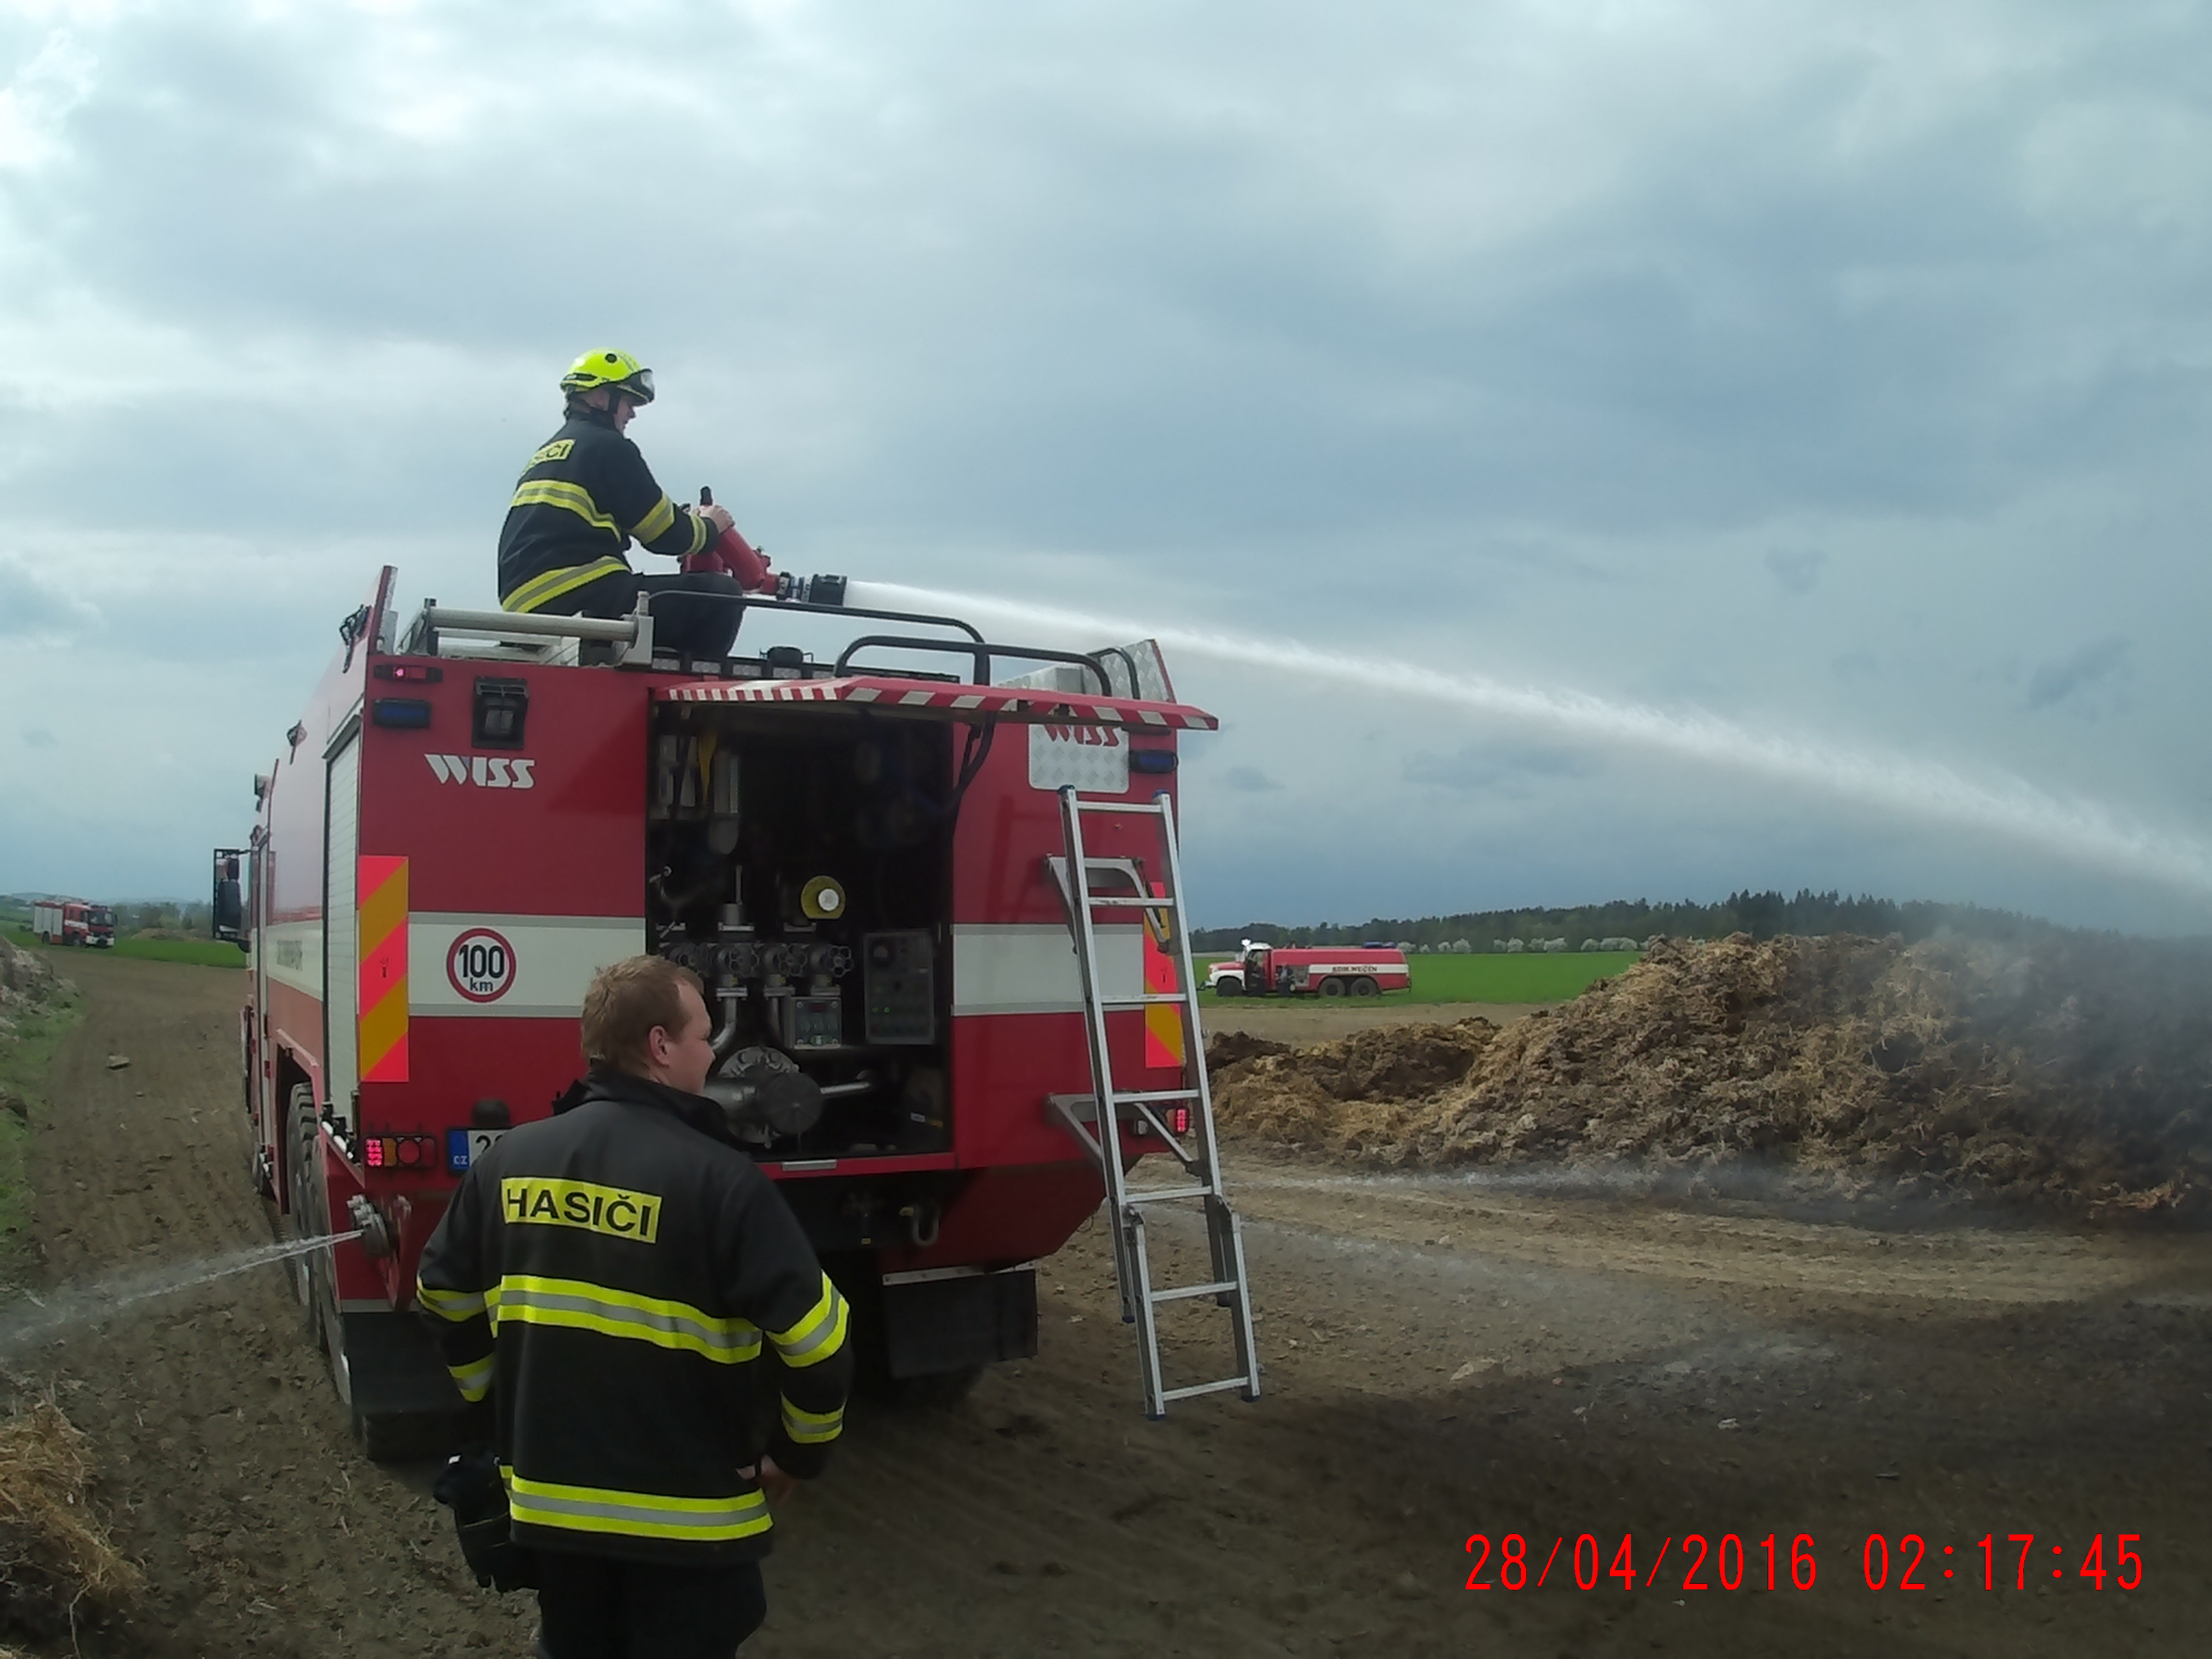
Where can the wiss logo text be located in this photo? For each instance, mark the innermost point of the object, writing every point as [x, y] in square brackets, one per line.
[485, 771]
[1097, 737]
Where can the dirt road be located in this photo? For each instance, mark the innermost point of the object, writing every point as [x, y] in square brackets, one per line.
[1444, 1358]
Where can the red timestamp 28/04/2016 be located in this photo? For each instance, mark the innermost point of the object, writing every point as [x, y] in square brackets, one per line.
[1728, 1561]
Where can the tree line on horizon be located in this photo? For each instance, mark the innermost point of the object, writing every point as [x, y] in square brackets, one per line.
[1762, 915]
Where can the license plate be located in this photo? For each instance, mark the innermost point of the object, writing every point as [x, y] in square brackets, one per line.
[465, 1146]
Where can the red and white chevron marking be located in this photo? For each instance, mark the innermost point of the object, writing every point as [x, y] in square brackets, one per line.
[1011, 702]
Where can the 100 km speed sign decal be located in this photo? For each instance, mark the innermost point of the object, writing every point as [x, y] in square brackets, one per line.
[481, 965]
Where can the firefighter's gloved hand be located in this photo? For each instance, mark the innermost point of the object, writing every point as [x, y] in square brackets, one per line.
[472, 1487]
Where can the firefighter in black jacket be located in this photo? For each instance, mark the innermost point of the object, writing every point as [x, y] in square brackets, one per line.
[584, 496]
[608, 1278]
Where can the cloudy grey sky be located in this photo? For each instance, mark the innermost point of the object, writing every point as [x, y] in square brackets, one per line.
[1793, 419]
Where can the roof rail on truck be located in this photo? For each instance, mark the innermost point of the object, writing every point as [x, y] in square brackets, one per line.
[627, 641]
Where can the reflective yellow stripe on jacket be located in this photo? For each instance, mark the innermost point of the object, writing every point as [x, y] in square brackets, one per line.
[550, 585]
[475, 1380]
[530, 1300]
[554, 492]
[472, 1377]
[811, 1428]
[657, 523]
[639, 1515]
[816, 1336]
[455, 1305]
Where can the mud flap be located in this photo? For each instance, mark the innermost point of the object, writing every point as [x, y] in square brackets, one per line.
[933, 1325]
[404, 1403]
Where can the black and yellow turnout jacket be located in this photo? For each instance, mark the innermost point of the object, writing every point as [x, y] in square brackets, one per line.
[609, 1275]
[585, 494]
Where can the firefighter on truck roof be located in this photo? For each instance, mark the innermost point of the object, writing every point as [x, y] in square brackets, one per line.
[607, 1279]
[582, 498]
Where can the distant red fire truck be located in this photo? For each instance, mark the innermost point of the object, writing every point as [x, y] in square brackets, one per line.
[73, 922]
[1330, 970]
[920, 989]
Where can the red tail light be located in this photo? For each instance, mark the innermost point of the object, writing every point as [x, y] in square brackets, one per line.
[399, 1152]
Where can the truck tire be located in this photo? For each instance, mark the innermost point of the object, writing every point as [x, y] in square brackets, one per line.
[301, 1144]
[1229, 986]
[1332, 987]
[1364, 986]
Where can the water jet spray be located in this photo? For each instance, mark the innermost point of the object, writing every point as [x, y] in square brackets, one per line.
[2081, 831]
[33, 1320]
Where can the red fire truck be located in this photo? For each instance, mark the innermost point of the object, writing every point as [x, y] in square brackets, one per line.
[867, 866]
[73, 922]
[1330, 970]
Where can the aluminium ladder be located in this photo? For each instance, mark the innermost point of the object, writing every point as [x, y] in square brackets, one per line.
[1097, 1130]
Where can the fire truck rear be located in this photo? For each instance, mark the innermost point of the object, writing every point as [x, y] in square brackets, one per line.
[74, 921]
[477, 811]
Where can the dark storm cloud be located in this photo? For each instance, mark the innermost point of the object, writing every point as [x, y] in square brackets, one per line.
[2092, 664]
[1249, 781]
[1507, 768]
[29, 606]
[1067, 309]
[1797, 571]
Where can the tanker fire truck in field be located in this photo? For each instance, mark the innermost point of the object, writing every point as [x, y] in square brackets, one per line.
[939, 920]
[74, 921]
[1333, 970]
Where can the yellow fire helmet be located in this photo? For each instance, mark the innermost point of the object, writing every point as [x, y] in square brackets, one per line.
[617, 370]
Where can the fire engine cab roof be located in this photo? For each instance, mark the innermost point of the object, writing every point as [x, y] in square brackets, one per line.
[945, 699]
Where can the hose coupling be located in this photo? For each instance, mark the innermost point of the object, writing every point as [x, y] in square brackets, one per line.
[375, 1231]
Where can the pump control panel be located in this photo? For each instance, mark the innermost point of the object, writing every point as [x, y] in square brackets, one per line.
[900, 986]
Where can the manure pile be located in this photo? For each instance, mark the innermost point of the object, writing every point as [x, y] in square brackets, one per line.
[55, 1555]
[2075, 1074]
[28, 987]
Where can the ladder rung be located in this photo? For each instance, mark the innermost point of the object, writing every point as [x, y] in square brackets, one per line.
[1161, 1194]
[1085, 1107]
[1152, 807]
[1167, 1394]
[1125, 902]
[1144, 1001]
[1183, 1293]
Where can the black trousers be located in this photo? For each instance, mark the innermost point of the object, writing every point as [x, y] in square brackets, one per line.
[594, 1607]
[689, 627]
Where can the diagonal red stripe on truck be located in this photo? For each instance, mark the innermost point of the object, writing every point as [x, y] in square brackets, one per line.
[383, 1005]
[1164, 1044]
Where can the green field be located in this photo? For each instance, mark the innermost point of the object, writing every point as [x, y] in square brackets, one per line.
[24, 1058]
[1520, 978]
[205, 952]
